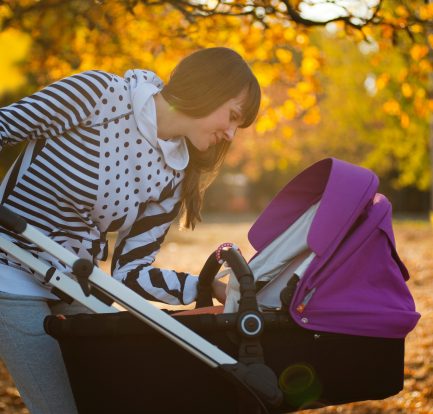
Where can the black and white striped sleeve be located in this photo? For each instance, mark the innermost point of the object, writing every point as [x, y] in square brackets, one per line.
[53, 110]
[135, 252]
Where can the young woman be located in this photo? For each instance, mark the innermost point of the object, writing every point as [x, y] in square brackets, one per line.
[111, 154]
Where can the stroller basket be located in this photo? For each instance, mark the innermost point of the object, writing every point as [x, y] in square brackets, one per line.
[117, 364]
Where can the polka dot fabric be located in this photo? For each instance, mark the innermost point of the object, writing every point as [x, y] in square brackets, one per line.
[132, 171]
[138, 194]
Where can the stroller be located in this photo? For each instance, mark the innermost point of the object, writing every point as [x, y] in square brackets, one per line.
[335, 336]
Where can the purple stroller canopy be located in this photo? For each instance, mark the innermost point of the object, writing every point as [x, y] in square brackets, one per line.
[356, 284]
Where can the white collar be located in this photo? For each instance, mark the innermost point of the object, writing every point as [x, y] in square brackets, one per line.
[174, 151]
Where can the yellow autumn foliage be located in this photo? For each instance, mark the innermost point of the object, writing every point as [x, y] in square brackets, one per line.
[404, 120]
[426, 11]
[420, 107]
[382, 81]
[425, 66]
[302, 39]
[406, 90]
[402, 74]
[269, 164]
[288, 110]
[267, 122]
[13, 48]
[392, 107]
[289, 33]
[312, 117]
[309, 66]
[287, 132]
[402, 11]
[283, 55]
[289, 60]
[417, 52]
[417, 28]
[305, 87]
[265, 73]
[420, 93]
[308, 101]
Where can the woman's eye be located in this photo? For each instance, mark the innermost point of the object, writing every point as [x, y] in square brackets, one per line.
[234, 116]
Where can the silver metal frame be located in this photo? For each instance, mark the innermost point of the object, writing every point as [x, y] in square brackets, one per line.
[118, 292]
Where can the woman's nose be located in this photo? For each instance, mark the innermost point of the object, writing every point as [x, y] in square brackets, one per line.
[229, 133]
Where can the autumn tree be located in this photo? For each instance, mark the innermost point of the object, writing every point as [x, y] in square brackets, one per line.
[282, 42]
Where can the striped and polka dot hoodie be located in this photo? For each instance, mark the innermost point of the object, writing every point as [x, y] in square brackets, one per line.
[93, 164]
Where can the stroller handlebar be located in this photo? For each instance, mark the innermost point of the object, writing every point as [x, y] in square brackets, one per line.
[211, 267]
[12, 221]
[251, 371]
[205, 279]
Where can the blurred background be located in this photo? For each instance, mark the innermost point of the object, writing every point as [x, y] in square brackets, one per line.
[349, 79]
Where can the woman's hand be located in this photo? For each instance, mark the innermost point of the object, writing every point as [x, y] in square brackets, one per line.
[219, 291]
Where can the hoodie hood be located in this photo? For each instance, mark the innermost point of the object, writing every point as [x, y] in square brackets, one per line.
[143, 85]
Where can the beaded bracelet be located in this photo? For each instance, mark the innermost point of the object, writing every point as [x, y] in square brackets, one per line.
[223, 246]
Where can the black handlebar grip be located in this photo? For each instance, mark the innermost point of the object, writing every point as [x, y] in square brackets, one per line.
[205, 279]
[236, 261]
[210, 269]
[11, 220]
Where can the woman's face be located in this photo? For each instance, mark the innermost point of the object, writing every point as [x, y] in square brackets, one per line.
[219, 125]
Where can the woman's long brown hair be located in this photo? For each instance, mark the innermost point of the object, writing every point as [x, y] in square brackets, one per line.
[200, 84]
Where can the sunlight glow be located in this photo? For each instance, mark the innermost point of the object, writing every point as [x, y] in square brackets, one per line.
[323, 10]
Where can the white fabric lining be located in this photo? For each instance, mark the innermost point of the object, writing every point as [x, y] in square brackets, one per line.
[287, 255]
